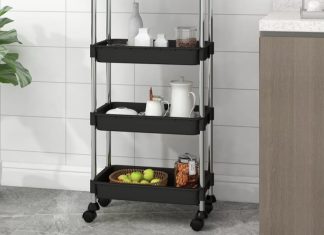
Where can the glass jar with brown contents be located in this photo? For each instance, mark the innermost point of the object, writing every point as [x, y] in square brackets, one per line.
[186, 36]
[187, 171]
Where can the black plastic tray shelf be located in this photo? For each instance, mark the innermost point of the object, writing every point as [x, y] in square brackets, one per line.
[136, 192]
[148, 124]
[117, 51]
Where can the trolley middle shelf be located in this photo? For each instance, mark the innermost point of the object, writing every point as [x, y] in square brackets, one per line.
[148, 124]
[105, 189]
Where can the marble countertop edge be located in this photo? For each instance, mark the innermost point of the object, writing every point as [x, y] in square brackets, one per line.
[290, 21]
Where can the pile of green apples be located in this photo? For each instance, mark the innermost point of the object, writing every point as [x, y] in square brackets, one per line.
[137, 177]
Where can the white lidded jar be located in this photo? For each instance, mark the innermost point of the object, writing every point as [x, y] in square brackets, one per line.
[143, 38]
[183, 100]
[134, 24]
[161, 41]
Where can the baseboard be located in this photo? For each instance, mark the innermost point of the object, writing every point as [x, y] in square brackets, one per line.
[237, 192]
[45, 176]
[227, 188]
[0, 167]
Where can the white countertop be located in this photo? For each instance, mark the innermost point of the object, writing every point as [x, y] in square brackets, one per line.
[290, 21]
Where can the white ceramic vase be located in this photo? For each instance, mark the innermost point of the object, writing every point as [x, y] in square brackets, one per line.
[143, 38]
[134, 24]
[161, 41]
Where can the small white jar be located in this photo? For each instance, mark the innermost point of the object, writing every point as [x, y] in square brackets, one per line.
[314, 5]
[161, 41]
[143, 38]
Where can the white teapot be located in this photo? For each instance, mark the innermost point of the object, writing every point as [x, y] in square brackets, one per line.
[183, 100]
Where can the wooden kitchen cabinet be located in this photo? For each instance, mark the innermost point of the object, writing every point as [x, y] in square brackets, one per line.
[291, 135]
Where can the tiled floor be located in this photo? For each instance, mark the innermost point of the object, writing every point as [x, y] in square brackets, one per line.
[27, 211]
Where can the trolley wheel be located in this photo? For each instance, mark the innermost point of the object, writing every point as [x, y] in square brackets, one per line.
[93, 207]
[209, 208]
[104, 202]
[197, 224]
[210, 199]
[202, 215]
[89, 216]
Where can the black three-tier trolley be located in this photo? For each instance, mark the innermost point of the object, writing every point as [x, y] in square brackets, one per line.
[116, 51]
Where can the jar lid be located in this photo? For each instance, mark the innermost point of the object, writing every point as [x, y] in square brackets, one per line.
[187, 157]
[186, 28]
[181, 82]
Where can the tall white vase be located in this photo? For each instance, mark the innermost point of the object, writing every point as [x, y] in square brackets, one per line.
[134, 24]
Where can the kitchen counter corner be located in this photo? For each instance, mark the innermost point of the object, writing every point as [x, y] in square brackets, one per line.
[290, 21]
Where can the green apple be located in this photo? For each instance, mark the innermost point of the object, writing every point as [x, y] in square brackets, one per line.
[126, 180]
[136, 176]
[155, 181]
[122, 177]
[148, 174]
[144, 182]
[129, 176]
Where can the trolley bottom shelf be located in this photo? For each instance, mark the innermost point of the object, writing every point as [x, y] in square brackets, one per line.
[130, 192]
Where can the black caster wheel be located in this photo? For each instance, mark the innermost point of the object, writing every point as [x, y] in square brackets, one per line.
[210, 199]
[197, 224]
[93, 207]
[202, 215]
[89, 216]
[104, 202]
[209, 208]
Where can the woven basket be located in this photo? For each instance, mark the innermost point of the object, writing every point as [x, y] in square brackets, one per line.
[157, 174]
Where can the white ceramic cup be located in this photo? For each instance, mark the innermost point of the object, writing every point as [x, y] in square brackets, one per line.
[156, 108]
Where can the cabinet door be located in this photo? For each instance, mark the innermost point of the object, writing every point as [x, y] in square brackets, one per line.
[291, 136]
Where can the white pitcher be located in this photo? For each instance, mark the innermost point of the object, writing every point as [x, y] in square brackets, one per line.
[183, 100]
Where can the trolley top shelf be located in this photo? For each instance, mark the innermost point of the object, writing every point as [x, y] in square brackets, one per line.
[117, 51]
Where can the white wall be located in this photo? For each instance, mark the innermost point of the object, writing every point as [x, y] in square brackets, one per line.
[287, 4]
[45, 132]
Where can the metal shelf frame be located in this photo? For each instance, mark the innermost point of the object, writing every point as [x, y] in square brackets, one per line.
[205, 153]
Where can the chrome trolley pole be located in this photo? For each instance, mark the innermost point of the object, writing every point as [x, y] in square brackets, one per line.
[202, 103]
[211, 93]
[93, 91]
[108, 80]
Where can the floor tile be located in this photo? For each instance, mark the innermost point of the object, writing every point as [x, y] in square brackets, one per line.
[23, 201]
[25, 211]
[10, 223]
